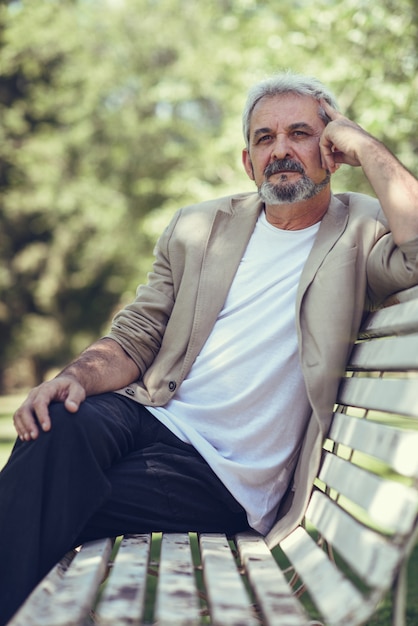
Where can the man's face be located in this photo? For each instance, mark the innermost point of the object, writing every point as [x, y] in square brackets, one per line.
[283, 156]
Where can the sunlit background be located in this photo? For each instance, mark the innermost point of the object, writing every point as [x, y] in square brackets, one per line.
[114, 113]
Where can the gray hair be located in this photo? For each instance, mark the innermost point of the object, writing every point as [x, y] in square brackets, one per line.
[285, 83]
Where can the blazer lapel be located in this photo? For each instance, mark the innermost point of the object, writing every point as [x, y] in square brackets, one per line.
[231, 230]
[332, 226]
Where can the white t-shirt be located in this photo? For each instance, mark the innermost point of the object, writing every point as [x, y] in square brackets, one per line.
[243, 405]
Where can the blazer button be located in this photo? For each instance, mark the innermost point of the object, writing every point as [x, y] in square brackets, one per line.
[129, 391]
[172, 385]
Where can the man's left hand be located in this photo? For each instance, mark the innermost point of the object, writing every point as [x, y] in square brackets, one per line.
[342, 140]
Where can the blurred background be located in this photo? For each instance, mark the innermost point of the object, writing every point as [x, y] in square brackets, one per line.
[114, 113]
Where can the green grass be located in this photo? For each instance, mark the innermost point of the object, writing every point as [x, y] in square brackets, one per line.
[383, 616]
[8, 404]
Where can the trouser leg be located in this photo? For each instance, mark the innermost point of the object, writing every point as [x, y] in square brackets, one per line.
[166, 487]
[109, 469]
[51, 486]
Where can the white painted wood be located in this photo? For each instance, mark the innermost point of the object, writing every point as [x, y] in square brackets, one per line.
[381, 394]
[371, 556]
[177, 599]
[275, 598]
[390, 504]
[122, 601]
[390, 354]
[75, 596]
[394, 446]
[228, 600]
[393, 320]
[336, 598]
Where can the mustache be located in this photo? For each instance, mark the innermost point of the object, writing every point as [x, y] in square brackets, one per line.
[283, 165]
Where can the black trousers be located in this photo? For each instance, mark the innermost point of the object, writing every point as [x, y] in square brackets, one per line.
[111, 468]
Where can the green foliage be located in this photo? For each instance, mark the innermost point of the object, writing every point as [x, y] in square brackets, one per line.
[116, 112]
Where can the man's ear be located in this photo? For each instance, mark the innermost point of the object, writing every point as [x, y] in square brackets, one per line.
[248, 166]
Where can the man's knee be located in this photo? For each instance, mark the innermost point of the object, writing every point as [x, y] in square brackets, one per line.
[65, 423]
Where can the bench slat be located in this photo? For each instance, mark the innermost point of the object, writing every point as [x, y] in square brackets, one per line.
[372, 557]
[392, 354]
[395, 320]
[274, 595]
[336, 597]
[122, 601]
[381, 394]
[227, 598]
[81, 582]
[177, 599]
[395, 447]
[390, 504]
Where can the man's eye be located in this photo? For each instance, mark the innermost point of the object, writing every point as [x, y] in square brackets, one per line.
[300, 133]
[264, 138]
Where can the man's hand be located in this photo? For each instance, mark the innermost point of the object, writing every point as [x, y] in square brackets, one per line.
[342, 140]
[103, 366]
[34, 411]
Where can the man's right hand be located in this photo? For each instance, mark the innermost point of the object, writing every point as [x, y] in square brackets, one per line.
[103, 366]
[33, 413]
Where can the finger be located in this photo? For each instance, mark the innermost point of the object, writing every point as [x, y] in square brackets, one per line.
[34, 413]
[75, 397]
[328, 154]
[332, 113]
[40, 408]
[40, 401]
[58, 389]
[25, 423]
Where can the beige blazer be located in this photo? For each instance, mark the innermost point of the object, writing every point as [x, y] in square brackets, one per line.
[353, 265]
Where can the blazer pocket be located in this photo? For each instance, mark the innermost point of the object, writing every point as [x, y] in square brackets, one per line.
[334, 262]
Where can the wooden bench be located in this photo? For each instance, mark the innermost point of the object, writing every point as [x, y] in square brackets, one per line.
[351, 549]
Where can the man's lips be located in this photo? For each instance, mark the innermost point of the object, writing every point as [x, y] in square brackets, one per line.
[282, 173]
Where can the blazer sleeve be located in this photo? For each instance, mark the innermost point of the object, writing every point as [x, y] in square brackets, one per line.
[391, 268]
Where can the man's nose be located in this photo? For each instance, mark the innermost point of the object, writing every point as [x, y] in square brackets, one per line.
[282, 148]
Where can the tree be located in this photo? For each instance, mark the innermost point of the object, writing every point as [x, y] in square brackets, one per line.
[90, 149]
[116, 112]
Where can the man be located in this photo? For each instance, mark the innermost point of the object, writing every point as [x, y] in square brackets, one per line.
[227, 363]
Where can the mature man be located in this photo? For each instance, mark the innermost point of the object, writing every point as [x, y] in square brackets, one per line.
[226, 365]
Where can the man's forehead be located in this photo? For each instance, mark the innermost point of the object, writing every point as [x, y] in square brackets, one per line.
[289, 108]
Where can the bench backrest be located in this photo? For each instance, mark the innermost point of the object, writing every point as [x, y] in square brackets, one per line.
[364, 506]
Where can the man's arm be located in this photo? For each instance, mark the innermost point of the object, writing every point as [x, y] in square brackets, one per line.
[396, 188]
[104, 366]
